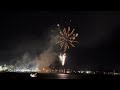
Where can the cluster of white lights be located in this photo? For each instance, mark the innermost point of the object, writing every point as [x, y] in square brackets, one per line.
[17, 69]
[26, 70]
[87, 72]
[3, 68]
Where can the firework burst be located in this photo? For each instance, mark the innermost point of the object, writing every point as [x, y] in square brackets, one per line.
[66, 38]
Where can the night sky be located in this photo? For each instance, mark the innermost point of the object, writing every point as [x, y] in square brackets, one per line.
[99, 36]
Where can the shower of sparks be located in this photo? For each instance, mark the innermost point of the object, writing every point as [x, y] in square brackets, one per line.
[66, 38]
[62, 58]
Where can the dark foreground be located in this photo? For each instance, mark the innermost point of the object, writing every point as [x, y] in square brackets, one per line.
[6, 75]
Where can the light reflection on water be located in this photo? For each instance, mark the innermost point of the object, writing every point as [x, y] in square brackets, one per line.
[62, 76]
[40, 76]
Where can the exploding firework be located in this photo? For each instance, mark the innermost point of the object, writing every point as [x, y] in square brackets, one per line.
[66, 38]
[62, 58]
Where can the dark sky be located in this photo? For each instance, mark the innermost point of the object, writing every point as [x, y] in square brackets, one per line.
[99, 35]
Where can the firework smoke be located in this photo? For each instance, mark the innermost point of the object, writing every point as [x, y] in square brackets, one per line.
[25, 63]
[46, 58]
[43, 60]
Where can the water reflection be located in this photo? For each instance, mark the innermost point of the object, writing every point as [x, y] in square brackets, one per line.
[62, 76]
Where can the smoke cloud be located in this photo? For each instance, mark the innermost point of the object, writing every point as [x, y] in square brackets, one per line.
[43, 60]
[46, 58]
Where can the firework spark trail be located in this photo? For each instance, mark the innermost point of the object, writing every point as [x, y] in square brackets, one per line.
[62, 58]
